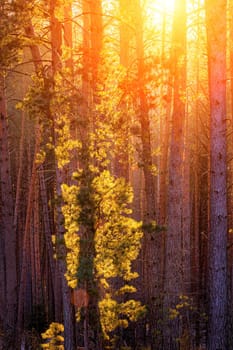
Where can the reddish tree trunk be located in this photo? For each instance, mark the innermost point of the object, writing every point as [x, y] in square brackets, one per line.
[7, 214]
[26, 237]
[174, 263]
[216, 37]
[152, 241]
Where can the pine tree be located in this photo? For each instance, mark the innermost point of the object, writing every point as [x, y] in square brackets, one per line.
[216, 37]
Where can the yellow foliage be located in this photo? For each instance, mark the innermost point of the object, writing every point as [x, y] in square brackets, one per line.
[53, 337]
[70, 212]
[114, 314]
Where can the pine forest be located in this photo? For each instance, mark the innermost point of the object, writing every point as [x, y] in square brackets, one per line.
[116, 174]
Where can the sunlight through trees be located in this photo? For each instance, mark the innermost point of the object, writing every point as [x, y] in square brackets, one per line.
[116, 172]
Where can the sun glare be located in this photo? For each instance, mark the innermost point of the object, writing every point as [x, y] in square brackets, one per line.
[161, 5]
[164, 5]
[157, 9]
[168, 5]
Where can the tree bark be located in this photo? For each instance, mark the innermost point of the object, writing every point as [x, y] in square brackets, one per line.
[96, 36]
[68, 315]
[7, 215]
[174, 264]
[26, 238]
[152, 242]
[216, 38]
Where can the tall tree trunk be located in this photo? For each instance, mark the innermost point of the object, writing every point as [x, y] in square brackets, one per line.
[195, 238]
[96, 36]
[56, 284]
[26, 238]
[68, 316]
[68, 35]
[144, 120]
[93, 44]
[121, 161]
[152, 241]
[216, 37]
[174, 264]
[20, 171]
[230, 181]
[7, 215]
[186, 213]
[165, 130]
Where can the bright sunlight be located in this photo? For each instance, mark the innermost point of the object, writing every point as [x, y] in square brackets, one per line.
[166, 6]
[157, 9]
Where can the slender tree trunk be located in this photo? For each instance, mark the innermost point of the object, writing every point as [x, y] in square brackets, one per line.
[186, 214]
[7, 212]
[164, 144]
[2, 285]
[144, 120]
[121, 162]
[96, 36]
[54, 269]
[68, 35]
[152, 241]
[20, 171]
[230, 183]
[195, 238]
[26, 237]
[86, 69]
[2, 224]
[216, 37]
[46, 220]
[36, 249]
[174, 264]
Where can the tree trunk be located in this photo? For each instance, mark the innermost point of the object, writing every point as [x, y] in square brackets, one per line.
[174, 263]
[7, 215]
[94, 42]
[216, 38]
[68, 316]
[26, 238]
[230, 182]
[68, 36]
[96, 36]
[152, 242]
